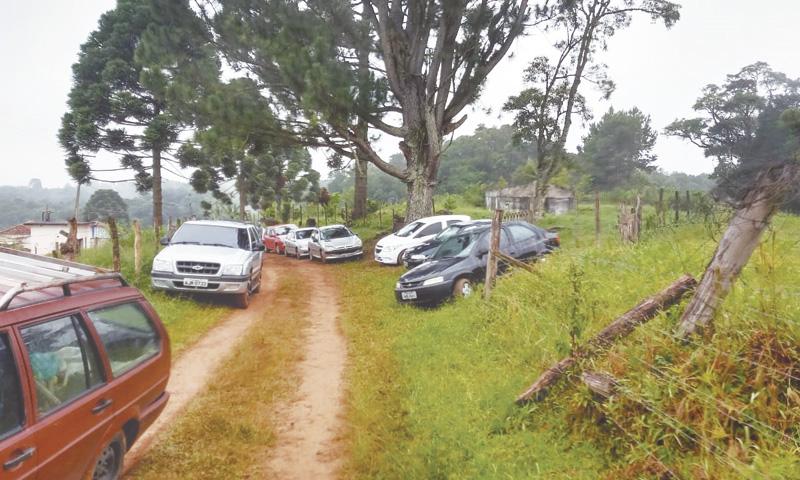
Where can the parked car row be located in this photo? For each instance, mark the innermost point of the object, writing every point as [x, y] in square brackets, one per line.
[332, 242]
[451, 263]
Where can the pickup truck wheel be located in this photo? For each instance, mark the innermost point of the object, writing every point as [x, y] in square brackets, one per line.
[243, 299]
[258, 285]
[462, 288]
[108, 465]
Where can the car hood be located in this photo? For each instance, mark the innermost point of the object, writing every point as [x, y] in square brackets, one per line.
[393, 240]
[344, 242]
[203, 253]
[430, 269]
[303, 242]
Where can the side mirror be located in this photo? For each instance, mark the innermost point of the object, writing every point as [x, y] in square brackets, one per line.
[164, 241]
[481, 251]
[260, 248]
[418, 258]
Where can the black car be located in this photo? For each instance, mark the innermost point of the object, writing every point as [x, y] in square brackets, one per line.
[460, 261]
[416, 256]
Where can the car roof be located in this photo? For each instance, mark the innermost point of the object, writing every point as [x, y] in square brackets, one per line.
[219, 223]
[439, 218]
[337, 225]
[306, 228]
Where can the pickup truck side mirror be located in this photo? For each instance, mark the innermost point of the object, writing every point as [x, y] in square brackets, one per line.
[260, 247]
[164, 241]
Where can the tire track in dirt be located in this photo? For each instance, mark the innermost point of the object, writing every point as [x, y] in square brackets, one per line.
[309, 424]
[198, 364]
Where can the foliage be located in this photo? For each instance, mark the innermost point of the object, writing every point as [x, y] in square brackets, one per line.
[405, 68]
[617, 147]
[741, 126]
[135, 77]
[543, 112]
[103, 204]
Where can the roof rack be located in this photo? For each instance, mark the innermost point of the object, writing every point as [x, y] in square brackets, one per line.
[22, 272]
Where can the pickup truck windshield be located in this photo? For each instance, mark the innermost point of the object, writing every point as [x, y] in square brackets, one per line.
[215, 235]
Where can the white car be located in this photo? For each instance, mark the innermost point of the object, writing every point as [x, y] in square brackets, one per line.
[211, 257]
[334, 242]
[389, 250]
[296, 242]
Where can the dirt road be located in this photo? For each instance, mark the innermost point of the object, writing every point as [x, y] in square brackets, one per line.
[310, 419]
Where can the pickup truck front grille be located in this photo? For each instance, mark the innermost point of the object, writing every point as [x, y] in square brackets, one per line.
[198, 268]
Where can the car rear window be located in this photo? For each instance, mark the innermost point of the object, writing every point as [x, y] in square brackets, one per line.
[127, 334]
[12, 413]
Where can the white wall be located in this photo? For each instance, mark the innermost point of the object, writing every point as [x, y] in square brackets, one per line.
[45, 238]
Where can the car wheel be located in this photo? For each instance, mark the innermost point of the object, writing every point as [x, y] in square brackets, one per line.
[462, 288]
[108, 465]
[243, 299]
[258, 285]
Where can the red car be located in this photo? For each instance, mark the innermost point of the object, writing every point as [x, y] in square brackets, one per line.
[84, 363]
[274, 236]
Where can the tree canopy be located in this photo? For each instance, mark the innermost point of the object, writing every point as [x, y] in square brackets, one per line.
[617, 147]
[745, 124]
[105, 203]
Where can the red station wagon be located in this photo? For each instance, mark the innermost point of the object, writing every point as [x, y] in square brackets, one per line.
[84, 363]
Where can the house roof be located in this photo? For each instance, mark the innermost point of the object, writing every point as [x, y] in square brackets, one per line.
[16, 230]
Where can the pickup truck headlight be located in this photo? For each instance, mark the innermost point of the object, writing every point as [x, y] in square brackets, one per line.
[232, 270]
[160, 265]
[433, 281]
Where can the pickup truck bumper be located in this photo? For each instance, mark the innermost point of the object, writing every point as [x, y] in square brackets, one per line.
[220, 284]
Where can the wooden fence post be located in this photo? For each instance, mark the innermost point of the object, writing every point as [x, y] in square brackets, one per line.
[638, 217]
[660, 214]
[677, 206]
[137, 247]
[597, 218]
[688, 205]
[112, 226]
[491, 258]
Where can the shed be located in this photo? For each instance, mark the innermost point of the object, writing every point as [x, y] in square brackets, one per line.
[557, 200]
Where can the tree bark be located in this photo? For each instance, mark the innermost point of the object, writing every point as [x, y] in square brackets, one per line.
[736, 246]
[601, 384]
[242, 187]
[619, 328]
[158, 201]
[77, 201]
[494, 249]
[360, 193]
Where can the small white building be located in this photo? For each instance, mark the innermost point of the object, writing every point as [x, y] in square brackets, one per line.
[46, 237]
[557, 200]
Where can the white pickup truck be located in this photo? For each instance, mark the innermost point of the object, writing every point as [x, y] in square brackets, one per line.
[211, 257]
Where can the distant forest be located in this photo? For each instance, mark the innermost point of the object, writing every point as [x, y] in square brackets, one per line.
[488, 159]
[21, 204]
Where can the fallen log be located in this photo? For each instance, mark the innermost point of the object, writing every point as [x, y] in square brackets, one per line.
[619, 328]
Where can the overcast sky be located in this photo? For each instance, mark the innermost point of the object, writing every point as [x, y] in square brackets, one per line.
[658, 70]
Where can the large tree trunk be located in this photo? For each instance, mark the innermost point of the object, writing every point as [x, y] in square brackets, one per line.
[158, 201]
[737, 245]
[360, 194]
[422, 149]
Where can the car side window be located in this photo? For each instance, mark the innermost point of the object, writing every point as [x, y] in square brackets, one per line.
[12, 410]
[127, 334]
[63, 360]
[522, 234]
[254, 240]
[431, 229]
[243, 239]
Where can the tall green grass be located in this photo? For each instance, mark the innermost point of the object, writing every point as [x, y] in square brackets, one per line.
[432, 391]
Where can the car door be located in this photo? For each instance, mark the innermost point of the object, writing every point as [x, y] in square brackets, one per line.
[18, 450]
[313, 244]
[290, 245]
[71, 398]
[527, 244]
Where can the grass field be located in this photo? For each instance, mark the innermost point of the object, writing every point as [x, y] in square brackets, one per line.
[431, 391]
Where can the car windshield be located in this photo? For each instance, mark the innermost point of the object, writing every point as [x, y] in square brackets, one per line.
[458, 245]
[216, 235]
[335, 232]
[448, 232]
[409, 229]
[303, 234]
[282, 230]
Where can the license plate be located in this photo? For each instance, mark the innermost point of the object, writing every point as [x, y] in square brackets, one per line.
[408, 295]
[195, 282]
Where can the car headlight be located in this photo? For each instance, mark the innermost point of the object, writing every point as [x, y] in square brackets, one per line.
[390, 248]
[160, 265]
[397, 285]
[232, 270]
[433, 281]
